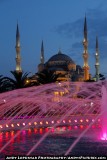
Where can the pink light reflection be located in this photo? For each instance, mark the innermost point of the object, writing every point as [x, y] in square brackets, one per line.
[104, 137]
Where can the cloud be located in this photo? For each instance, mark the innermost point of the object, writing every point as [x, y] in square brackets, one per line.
[97, 26]
[70, 30]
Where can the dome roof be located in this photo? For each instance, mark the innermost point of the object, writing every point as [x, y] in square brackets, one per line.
[60, 57]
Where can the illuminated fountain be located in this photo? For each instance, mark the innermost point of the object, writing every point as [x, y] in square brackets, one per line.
[46, 105]
[104, 115]
[53, 105]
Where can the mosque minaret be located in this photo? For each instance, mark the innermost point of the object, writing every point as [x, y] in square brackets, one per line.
[85, 53]
[97, 65]
[18, 57]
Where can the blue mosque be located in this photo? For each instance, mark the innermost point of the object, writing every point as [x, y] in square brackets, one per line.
[62, 64]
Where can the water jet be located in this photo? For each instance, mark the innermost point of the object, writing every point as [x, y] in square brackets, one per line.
[48, 107]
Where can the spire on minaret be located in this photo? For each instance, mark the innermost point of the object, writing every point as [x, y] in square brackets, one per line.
[18, 58]
[42, 53]
[41, 66]
[85, 28]
[17, 31]
[17, 36]
[85, 53]
[97, 60]
[96, 44]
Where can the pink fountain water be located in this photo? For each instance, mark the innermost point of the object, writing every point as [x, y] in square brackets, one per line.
[53, 105]
[104, 115]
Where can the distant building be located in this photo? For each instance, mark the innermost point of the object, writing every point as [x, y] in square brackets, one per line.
[61, 63]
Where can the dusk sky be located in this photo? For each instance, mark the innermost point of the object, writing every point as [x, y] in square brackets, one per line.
[59, 23]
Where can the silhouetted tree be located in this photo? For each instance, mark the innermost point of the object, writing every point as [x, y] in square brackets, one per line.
[2, 89]
[46, 77]
[19, 80]
[101, 77]
[3, 84]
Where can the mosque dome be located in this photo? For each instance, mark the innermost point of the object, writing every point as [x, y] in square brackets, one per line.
[60, 62]
[60, 58]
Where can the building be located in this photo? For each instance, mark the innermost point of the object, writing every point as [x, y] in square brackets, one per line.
[61, 64]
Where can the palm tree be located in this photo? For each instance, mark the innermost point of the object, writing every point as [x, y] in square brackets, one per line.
[46, 77]
[101, 77]
[1, 84]
[19, 80]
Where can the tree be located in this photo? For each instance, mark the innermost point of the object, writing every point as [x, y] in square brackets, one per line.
[19, 80]
[46, 76]
[3, 84]
[2, 88]
[101, 77]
